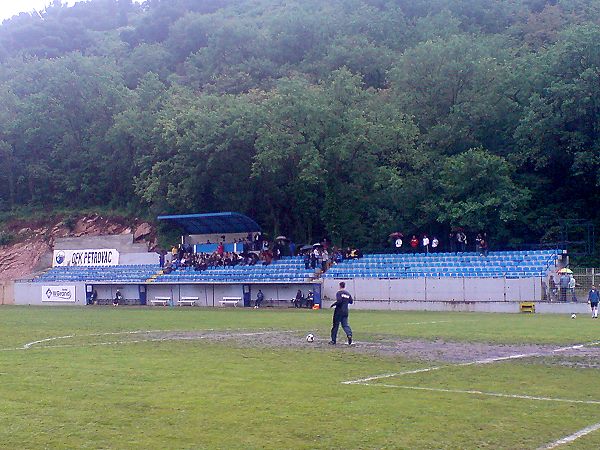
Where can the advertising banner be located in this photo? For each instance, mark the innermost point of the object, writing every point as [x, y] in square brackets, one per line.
[58, 293]
[92, 258]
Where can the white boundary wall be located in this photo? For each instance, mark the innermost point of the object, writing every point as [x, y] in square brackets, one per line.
[374, 293]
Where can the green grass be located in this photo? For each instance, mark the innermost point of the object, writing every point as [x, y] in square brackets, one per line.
[205, 394]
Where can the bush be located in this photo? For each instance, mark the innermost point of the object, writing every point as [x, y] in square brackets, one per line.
[5, 238]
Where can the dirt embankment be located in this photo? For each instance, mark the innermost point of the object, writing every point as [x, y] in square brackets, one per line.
[33, 241]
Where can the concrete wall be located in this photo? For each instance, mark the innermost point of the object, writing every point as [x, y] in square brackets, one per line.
[138, 258]
[7, 293]
[122, 242]
[32, 294]
[438, 289]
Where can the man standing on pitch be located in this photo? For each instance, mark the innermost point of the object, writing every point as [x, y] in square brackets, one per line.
[593, 300]
[340, 315]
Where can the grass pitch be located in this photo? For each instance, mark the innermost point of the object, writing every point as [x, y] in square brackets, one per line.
[189, 378]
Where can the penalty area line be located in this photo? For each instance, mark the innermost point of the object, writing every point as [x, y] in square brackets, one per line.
[473, 363]
[568, 439]
[484, 393]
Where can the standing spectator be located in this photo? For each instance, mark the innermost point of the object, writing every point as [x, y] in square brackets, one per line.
[563, 284]
[259, 299]
[307, 260]
[483, 247]
[324, 259]
[398, 244]
[553, 289]
[461, 239]
[478, 240]
[161, 259]
[340, 315]
[425, 243]
[292, 248]
[434, 244]
[572, 288]
[452, 241]
[414, 243]
[593, 299]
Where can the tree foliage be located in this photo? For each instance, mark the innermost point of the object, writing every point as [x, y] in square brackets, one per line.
[347, 119]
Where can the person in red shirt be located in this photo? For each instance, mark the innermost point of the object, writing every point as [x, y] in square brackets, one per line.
[414, 243]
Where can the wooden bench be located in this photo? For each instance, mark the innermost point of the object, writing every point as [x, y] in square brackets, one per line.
[164, 301]
[230, 301]
[187, 301]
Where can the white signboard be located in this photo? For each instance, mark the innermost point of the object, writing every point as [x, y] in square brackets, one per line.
[58, 293]
[101, 257]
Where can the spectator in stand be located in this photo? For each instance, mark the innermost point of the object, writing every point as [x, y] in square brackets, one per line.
[483, 247]
[434, 244]
[220, 249]
[324, 259]
[461, 239]
[593, 299]
[307, 260]
[338, 257]
[478, 243]
[425, 243]
[452, 241]
[414, 244]
[292, 248]
[398, 244]
[161, 259]
[314, 257]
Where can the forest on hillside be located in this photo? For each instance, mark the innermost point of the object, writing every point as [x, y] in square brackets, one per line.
[348, 119]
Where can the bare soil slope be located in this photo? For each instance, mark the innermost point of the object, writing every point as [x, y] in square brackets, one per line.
[34, 240]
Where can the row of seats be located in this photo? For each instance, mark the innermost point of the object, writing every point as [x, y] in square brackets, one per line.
[497, 264]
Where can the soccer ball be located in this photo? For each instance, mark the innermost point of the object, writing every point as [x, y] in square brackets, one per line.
[573, 316]
[310, 337]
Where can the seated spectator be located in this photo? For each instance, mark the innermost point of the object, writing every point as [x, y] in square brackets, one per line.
[298, 300]
[118, 298]
[259, 298]
[310, 299]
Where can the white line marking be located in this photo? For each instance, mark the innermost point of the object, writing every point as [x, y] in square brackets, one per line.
[572, 437]
[490, 394]
[471, 363]
[30, 344]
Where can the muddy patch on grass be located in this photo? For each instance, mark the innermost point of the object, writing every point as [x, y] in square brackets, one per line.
[438, 350]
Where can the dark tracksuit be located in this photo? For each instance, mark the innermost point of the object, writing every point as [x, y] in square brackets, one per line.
[340, 315]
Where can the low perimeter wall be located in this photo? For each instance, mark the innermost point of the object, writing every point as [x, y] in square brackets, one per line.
[447, 290]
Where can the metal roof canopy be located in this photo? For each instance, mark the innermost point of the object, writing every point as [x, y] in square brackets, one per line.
[214, 223]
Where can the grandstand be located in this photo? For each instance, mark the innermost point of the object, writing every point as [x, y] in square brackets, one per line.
[288, 269]
[500, 281]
